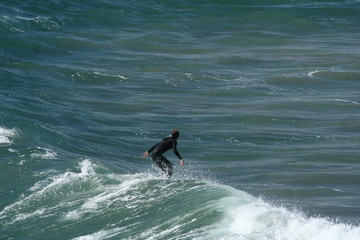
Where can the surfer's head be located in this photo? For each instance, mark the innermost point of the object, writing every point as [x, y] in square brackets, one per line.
[175, 134]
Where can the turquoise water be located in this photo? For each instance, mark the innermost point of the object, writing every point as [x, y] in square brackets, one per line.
[266, 95]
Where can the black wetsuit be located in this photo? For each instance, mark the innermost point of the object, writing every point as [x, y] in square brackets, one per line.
[157, 154]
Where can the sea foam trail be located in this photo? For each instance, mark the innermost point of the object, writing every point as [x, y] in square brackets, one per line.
[93, 202]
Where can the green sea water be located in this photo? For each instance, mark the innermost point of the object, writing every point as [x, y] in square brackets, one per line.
[265, 94]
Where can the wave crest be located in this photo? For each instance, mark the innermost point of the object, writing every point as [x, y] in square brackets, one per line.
[144, 206]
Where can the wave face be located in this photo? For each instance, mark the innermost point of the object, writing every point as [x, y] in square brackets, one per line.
[91, 202]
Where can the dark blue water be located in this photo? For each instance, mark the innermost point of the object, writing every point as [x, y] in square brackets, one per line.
[265, 94]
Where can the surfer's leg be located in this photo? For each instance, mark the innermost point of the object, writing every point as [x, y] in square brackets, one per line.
[169, 167]
[165, 165]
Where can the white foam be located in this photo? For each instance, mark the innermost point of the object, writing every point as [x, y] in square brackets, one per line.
[107, 195]
[100, 235]
[162, 234]
[311, 74]
[24, 216]
[12, 150]
[42, 189]
[253, 218]
[344, 100]
[6, 135]
[44, 153]
[110, 75]
[86, 169]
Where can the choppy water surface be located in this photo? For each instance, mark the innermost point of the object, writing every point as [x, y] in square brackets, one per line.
[264, 93]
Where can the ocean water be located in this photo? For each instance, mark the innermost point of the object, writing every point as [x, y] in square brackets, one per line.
[265, 94]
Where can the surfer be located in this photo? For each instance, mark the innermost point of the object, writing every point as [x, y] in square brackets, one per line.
[160, 148]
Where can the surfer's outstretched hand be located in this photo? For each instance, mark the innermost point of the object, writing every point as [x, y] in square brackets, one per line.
[146, 154]
[182, 162]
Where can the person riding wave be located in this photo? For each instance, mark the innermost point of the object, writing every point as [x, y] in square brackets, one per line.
[160, 148]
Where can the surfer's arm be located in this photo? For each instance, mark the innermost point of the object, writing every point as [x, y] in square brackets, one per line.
[152, 148]
[177, 154]
[146, 154]
[176, 151]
